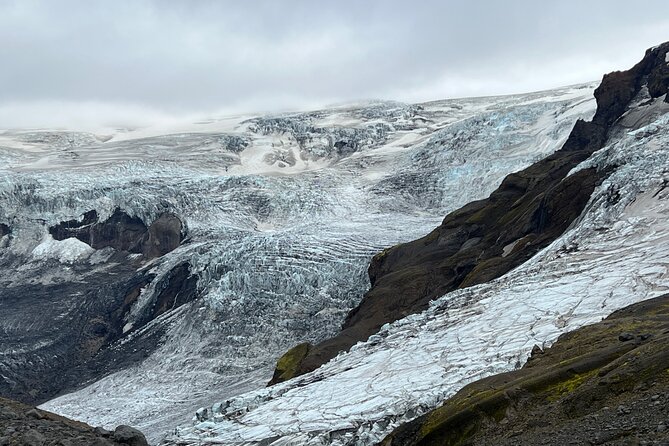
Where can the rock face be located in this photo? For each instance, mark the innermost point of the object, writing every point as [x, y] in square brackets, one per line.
[485, 239]
[164, 235]
[178, 287]
[4, 230]
[124, 233]
[22, 425]
[593, 386]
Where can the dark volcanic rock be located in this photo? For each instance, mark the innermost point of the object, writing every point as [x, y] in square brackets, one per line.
[74, 341]
[485, 239]
[75, 228]
[120, 231]
[50, 429]
[4, 230]
[77, 320]
[124, 233]
[130, 436]
[588, 388]
[177, 288]
[164, 235]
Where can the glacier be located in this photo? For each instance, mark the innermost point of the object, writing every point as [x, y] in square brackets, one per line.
[614, 255]
[282, 214]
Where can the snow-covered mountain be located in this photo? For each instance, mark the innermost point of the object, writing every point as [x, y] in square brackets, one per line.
[280, 216]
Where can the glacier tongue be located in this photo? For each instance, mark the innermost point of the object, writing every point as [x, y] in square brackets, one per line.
[283, 215]
[614, 255]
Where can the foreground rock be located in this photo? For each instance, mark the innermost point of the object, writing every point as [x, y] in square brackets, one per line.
[603, 384]
[23, 425]
[485, 239]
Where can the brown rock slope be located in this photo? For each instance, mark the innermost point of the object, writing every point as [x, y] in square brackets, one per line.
[606, 383]
[485, 239]
[26, 426]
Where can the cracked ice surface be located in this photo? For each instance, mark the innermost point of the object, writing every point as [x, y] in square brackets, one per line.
[616, 254]
[283, 214]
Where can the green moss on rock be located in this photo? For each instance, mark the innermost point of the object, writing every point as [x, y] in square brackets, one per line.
[561, 388]
[289, 364]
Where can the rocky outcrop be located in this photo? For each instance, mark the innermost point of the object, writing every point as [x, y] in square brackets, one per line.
[164, 235]
[124, 233]
[485, 239]
[4, 230]
[79, 229]
[178, 287]
[174, 289]
[605, 383]
[24, 425]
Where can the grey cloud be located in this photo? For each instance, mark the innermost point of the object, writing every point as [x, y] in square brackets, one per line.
[178, 57]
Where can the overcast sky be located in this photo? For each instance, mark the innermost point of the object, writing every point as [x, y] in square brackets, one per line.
[69, 63]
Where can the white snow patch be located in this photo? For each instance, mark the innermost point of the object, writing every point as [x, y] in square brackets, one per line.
[508, 248]
[70, 250]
